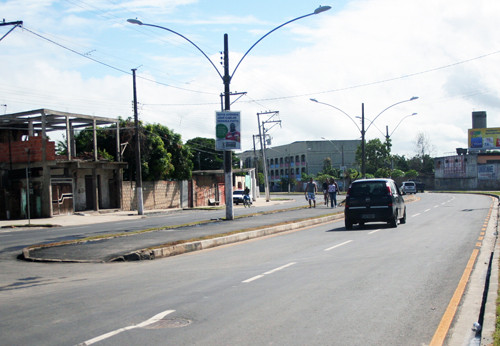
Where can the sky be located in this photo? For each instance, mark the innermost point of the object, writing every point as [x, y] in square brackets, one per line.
[78, 55]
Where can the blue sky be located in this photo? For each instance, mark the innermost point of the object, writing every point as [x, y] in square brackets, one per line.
[77, 56]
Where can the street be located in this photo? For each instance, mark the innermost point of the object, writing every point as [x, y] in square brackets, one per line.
[321, 285]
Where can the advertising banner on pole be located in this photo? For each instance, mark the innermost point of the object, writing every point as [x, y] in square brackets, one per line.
[227, 130]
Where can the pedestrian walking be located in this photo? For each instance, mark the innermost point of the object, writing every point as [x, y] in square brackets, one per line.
[311, 189]
[333, 188]
[325, 191]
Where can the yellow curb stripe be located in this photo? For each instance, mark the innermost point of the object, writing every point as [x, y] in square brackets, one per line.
[449, 314]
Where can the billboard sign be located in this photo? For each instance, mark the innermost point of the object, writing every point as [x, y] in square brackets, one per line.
[484, 139]
[227, 130]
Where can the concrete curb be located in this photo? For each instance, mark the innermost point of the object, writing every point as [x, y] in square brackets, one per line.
[179, 249]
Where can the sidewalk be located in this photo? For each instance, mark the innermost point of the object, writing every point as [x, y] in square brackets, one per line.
[109, 215]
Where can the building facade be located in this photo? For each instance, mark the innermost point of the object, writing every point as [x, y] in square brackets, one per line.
[290, 161]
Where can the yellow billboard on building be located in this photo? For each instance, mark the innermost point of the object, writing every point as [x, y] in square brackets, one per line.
[484, 139]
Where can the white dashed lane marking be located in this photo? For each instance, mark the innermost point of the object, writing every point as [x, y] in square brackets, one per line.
[268, 272]
[338, 245]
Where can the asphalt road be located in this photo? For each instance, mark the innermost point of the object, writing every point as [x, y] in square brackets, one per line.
[322, 285]
[12, 241]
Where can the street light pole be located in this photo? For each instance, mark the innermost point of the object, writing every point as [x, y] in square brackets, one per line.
[227, 93]
[228, 164]
[363, 156]
[362, 129]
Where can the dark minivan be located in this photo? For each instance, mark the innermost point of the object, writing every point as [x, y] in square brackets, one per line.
[374, 200]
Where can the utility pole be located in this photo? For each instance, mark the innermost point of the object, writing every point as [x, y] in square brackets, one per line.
[263, 146]
[16, 24]
[138, 169]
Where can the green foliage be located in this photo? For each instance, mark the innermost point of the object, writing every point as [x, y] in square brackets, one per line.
[163, 156]
[262, 178]
[352, 174]
[321, 178]
[411, 174]
[397, 173]
[383, 173]
[205, 157]
[327, 167]
[400, 162]
[61, 147]
[306, 177]
[377, 155]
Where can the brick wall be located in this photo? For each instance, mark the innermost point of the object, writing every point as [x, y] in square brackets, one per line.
[17, 152]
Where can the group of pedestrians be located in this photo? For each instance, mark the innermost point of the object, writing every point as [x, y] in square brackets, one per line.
[330, 190]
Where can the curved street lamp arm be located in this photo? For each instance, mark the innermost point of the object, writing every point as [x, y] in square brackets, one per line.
[340, 110]
[318, 10]
[135, 21]
[397, 103]
[379, 130]
[409, 115]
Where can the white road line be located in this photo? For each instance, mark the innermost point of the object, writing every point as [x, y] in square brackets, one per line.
[268, 272]
[375, 231]
[280, 268]
[436, 206]
[426, 210]
[253, 279]
[152, 320]
[417, 214]
[336, 246]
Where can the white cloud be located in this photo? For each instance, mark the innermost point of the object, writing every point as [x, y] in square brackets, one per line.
[372, 52]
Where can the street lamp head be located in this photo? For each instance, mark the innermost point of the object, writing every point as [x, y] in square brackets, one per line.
[414, 98]
[414, 113]
[313, 100]
[322, 9]
[134, 21]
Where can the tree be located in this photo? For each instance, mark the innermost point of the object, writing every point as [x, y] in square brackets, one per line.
[177, 160]
[163, 156]
[423, 148]
[327, 166]
[205, 157]
[397, 173]
[400, 162]
[383, 173]
[377, 156]
[411, 174]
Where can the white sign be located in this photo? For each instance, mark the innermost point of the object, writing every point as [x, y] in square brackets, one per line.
[227, 130]
[486, 172]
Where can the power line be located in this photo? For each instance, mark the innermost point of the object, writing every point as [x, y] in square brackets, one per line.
[87, 56]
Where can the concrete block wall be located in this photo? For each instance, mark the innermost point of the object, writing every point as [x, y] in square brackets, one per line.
[156, 195]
